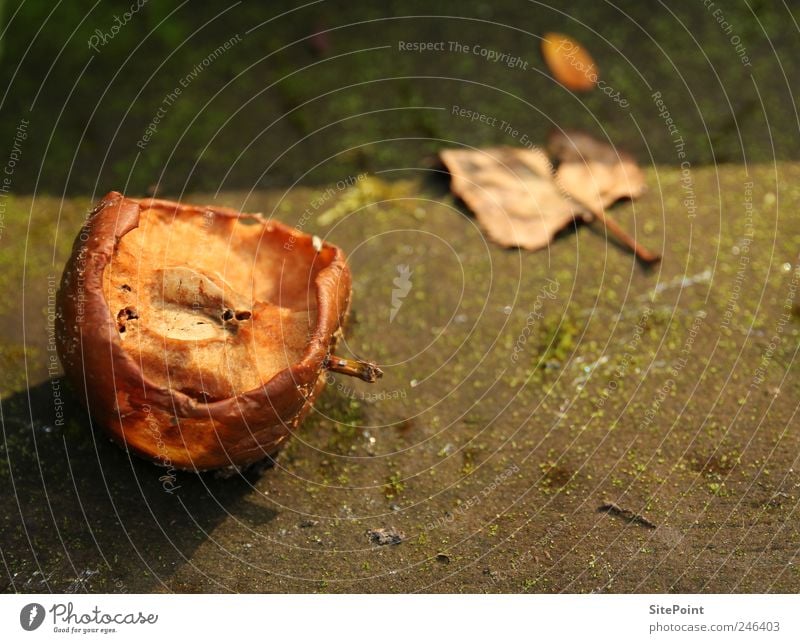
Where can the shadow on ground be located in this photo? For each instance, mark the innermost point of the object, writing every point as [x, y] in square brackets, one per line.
[80, 514]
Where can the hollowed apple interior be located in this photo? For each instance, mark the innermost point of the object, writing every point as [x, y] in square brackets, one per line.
[211, 305]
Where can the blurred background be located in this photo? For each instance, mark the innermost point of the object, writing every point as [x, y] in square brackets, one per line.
[315, 91]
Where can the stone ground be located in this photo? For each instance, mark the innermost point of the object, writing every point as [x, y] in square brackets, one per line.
[670, 393]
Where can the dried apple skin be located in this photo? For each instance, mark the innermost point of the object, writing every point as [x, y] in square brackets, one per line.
[168, 426]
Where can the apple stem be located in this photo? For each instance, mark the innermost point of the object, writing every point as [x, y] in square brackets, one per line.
[367, 371]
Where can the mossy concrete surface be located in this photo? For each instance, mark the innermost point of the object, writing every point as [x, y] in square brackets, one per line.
[560, 421]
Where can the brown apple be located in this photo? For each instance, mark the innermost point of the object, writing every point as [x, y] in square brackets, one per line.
[199, 337]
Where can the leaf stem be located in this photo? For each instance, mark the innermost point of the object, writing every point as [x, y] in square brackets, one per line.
[615, 230]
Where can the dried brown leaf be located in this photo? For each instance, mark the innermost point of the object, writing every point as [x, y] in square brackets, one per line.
[596, 175]
[593, 172]
[512, 193]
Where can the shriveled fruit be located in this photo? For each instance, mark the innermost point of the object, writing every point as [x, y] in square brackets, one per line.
[199, 336]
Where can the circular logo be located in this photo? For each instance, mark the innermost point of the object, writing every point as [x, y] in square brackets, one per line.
[31, 616]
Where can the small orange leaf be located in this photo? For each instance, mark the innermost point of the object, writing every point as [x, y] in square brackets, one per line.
[570, 64]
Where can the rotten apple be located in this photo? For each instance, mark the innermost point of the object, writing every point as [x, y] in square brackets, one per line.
[199, 337]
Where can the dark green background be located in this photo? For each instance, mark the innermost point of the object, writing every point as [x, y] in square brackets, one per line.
[253, 117]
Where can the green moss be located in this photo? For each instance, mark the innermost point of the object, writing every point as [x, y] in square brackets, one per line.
[558, 343]
[394, 485]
